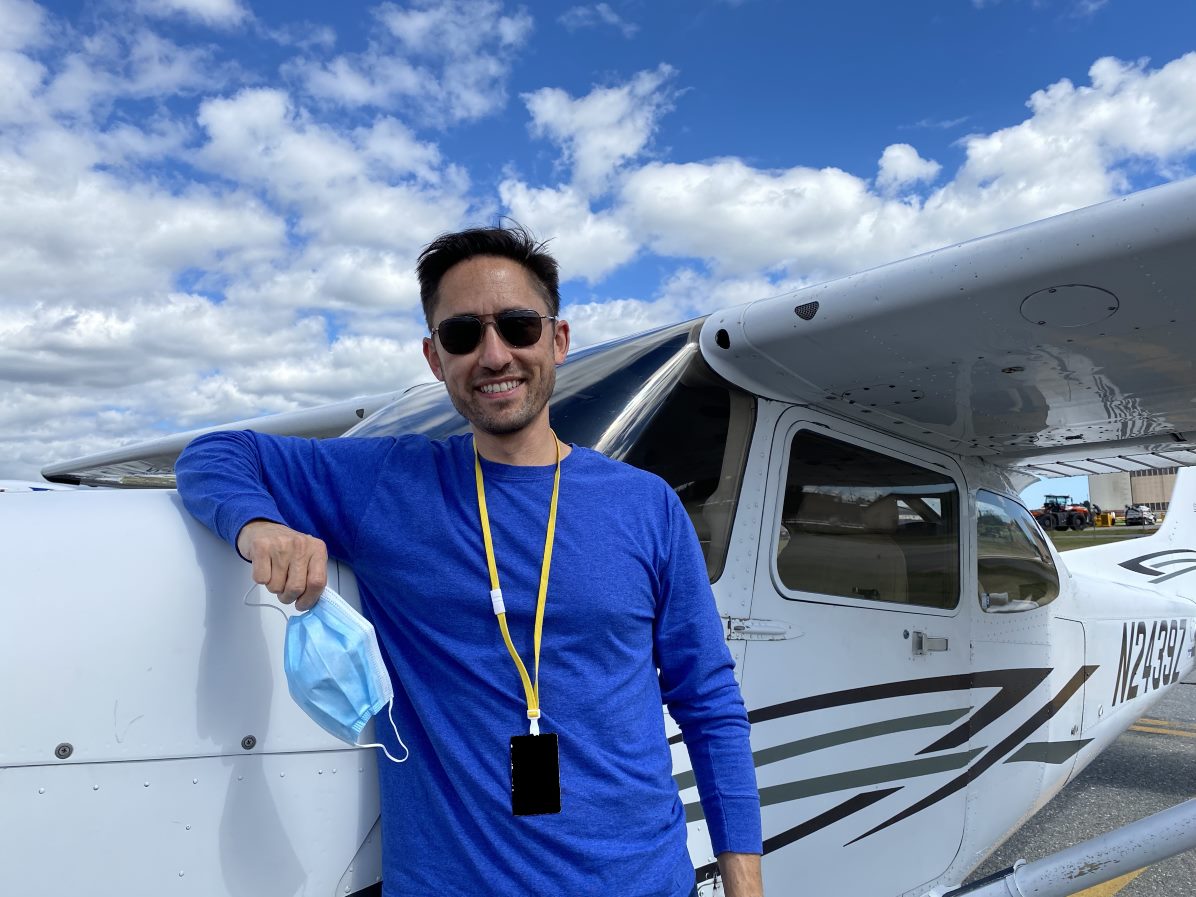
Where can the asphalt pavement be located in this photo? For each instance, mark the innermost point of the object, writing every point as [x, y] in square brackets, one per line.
[1149, 768]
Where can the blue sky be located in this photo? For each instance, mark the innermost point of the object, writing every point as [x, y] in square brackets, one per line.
[210, 208]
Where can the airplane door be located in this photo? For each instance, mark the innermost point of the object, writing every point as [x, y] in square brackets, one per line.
[1029, 682]
[856, 672]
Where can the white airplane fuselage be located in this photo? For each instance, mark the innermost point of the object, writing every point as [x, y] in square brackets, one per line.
[151, 733]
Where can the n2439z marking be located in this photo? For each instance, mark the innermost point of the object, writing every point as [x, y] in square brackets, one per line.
[1150, 656]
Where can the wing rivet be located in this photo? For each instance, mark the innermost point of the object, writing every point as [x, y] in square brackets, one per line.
[64, 750]
[248, 742]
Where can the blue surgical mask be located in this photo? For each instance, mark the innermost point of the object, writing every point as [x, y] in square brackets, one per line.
[335, 671]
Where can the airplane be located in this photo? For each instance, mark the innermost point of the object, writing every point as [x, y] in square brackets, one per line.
[922, 669]
[29, 486]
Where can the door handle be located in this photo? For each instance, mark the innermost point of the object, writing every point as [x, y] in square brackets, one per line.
[924, 644]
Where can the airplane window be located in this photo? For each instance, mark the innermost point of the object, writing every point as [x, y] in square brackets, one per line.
[859, 524]
[1015, 571]
[697, 442]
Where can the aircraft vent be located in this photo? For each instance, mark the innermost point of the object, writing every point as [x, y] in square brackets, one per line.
[807, 311]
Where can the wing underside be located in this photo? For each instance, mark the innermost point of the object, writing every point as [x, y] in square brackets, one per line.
[1061, 348]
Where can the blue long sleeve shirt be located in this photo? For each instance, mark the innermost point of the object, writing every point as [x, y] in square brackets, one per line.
[630, 622]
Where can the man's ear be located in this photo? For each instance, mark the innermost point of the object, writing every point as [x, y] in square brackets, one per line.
[433, 359]
[560, 341]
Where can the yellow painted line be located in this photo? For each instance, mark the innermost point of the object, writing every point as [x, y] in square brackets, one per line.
[1109, 888]
[1168, 723]
[1159, 730]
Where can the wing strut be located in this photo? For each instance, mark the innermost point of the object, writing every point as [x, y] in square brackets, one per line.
[1103, 858]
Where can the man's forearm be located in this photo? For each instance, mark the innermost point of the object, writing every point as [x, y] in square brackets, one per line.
[741, 874]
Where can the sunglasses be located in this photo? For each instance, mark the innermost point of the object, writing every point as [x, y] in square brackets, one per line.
[519, 327]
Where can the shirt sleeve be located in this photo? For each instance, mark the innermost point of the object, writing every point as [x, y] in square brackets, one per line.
[698, 684]
[321, 487]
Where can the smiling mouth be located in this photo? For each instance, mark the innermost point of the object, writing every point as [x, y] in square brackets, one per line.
[493, 389]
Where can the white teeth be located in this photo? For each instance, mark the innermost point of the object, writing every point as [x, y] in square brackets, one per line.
[505, 386]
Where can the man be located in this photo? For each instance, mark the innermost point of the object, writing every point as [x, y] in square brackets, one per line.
[601, 552]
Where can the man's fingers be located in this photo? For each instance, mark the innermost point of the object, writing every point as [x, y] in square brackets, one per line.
[317, 578]
[288, 563]
[296, 581]
[261, 568]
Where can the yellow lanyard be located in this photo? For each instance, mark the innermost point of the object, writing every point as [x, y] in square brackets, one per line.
[531, 691]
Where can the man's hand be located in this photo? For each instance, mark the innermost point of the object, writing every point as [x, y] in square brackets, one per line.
[289, 564]
[741, 874]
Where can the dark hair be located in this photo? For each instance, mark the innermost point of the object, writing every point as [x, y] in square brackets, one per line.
[513, 243]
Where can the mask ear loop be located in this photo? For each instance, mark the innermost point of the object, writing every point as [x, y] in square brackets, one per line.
[406, 751]
[389, 704]
[269, 604]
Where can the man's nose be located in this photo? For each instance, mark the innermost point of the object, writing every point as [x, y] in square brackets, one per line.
[494, 353]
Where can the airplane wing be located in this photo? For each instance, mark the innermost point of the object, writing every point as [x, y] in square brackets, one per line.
[151, 464]
[1060, 348]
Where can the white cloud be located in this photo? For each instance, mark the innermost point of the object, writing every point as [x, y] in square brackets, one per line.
[596, 322]
[741, 219]
[940, 124]
[1076, 8]
[303, 35]
[114, 65]
[66, 231]
[604, 129]
[576, 17]
[375, 188]
[259, 137]
[448, 62]
[81, 380]
[587, 244]
[455, 28]
[217, 13]
[1073, 149]
[22, 78]
[22, 24]
[901, 166]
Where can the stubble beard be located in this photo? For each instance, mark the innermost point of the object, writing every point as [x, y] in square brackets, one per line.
[502, 422]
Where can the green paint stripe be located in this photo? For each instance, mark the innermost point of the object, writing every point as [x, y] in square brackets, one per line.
[843, 736]
[857, 778]
[1049, 751]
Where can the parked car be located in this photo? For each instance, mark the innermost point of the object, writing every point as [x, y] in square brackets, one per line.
[1139, 515]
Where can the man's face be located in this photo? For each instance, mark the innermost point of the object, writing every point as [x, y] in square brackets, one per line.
[497, 388]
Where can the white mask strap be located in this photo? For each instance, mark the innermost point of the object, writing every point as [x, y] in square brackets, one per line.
[272, 604]
[406, 752]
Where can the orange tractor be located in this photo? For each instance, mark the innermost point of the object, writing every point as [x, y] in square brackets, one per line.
[1060, 512]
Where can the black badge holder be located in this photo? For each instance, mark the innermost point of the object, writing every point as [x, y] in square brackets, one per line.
[535, 775]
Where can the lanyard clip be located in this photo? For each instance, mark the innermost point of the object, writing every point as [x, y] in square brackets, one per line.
[534, 716]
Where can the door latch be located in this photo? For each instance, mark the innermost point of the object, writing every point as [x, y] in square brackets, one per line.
[751, 630]
[924, 644]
